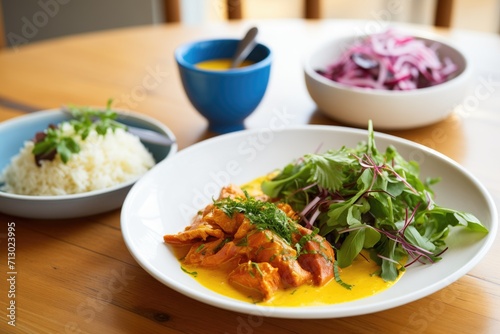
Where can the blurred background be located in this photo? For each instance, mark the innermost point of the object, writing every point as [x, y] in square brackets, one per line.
[27, 21]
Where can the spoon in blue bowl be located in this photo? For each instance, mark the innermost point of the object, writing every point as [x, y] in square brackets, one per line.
[245, 46]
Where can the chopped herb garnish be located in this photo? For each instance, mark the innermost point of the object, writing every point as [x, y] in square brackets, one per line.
[192, 273]
[221, 244]
[243, 242]
[200, 248]
[264, 215]
[257, 268]
[336, 274]
[299, 246]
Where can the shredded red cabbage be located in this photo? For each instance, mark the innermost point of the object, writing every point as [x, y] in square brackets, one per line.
[390, 61]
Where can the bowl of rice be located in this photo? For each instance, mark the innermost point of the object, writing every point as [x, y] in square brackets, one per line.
[92, 181]
[398, 79]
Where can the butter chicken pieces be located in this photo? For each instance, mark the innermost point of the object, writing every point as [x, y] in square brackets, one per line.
[258, 243]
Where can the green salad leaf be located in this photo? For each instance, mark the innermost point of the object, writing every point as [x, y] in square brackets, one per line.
[362, 198]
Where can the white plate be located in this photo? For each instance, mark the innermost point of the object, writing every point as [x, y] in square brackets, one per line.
[13, 134]
[166, 198]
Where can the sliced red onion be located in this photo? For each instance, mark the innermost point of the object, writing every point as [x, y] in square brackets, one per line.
[390, 61]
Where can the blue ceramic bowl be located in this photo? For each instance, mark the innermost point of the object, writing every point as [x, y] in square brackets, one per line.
[224, 98]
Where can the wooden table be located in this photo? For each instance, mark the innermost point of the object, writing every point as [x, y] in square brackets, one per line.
[77, 276]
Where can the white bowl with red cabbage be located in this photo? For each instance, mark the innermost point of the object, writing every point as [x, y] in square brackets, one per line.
[397, 80]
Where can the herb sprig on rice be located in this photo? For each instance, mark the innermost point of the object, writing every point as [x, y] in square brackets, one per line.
[54, 139]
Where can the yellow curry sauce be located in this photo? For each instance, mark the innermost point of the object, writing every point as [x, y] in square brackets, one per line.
[361, 275]
[220, 64]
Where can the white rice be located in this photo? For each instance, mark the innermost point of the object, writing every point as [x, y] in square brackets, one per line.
[103, 161]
